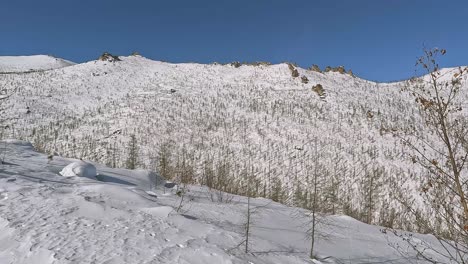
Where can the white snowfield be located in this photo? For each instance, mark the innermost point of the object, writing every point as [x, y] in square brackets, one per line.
[259, 116]
[32, 63]
[128, 217]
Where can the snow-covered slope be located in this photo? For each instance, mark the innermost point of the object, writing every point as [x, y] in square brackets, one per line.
[129, 217]
[15, 64]
[231, 126]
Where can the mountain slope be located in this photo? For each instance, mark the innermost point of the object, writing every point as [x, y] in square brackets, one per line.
[128, 217]
[232, 127]
[16, 64]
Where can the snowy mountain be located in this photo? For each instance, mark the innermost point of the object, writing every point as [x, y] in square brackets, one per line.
[10, 64]
[124, 216]
[254, 128]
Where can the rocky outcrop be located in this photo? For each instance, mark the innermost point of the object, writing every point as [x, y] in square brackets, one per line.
[106, 56]
[236, 64]
[315, 68]
[318, 88]
[294, 72]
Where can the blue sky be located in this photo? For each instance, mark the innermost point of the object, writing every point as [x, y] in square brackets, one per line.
[377, 39]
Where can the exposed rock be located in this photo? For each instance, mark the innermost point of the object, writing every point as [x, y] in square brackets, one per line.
[318, 88]
[106, 56]
[304, 79]
[260, 63]
[340, 69]
[236, 64]
[294, 72]
[315, 68]
[255, 63]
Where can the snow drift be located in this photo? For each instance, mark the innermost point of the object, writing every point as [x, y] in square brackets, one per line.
[79, 169]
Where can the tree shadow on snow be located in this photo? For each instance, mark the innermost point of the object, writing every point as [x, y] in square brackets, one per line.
[107, 178]
[189, 217]
[288, 251]
[40, 179]
[8, 163]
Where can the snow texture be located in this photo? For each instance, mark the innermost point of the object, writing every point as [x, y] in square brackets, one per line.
[18, 64]
[48, 219]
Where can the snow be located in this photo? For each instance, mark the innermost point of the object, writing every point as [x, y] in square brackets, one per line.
[51, 219]
[254, 118]
[16, 142]
[161, 212]
[17, 64]
[79, 169]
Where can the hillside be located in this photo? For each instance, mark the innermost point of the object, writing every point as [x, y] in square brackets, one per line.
[130, 217]
[232, 126]
[17, 64]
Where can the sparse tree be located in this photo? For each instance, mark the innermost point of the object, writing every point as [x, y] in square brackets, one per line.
[313, 208]
[332, 191]
[247, 223]
[4, 95]
[132, 158]
[370, 188]
[164, 164]
[315, 174]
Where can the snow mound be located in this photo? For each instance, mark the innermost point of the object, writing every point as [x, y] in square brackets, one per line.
[79, 169]
[31, 63]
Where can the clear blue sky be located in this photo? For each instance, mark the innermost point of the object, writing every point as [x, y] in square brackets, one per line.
[377, 39]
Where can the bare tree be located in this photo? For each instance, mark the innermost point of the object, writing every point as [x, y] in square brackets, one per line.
[132, 159]
[442, 152]
[315, 173]
[370, 186]
[4, 95]
[247, 224]
[333, 194]
[164, 164]
[249, 212]
[314, 200]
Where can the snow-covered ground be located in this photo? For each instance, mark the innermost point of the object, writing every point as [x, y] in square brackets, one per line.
[17, 64]
[256, 119]
[127, 216]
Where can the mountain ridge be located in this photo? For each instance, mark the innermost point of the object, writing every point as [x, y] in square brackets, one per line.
[30, 63]
[252, 64]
